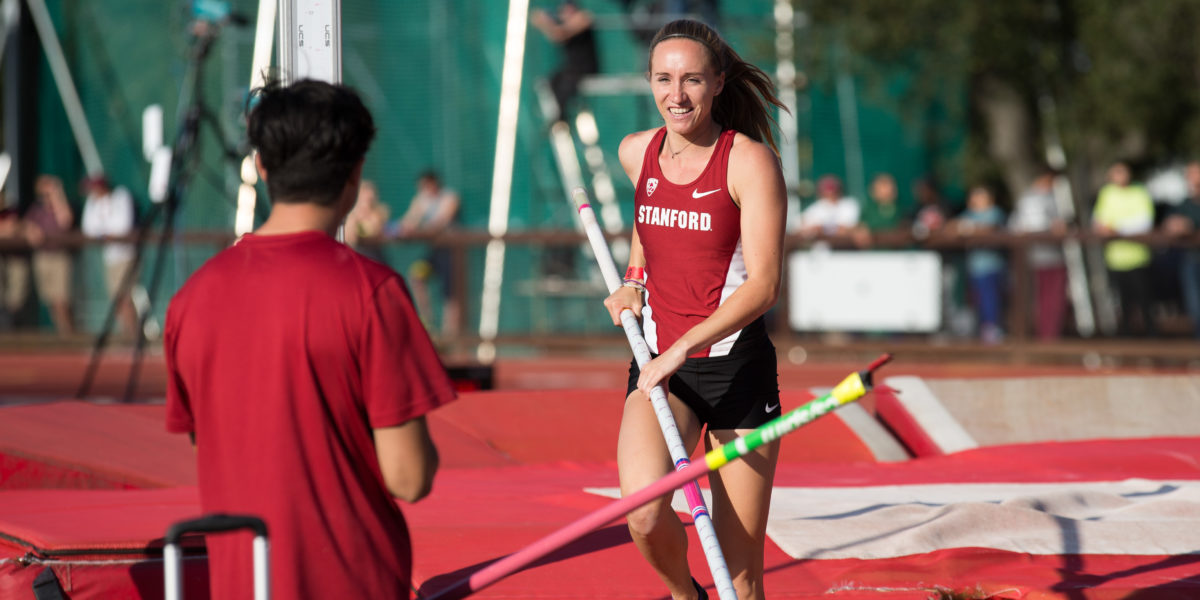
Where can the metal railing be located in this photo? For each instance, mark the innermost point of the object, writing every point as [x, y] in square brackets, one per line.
[583, 286]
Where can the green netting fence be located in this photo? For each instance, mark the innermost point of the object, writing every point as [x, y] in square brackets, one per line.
[430, 71]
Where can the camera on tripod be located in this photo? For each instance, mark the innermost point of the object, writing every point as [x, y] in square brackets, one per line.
[216, 12]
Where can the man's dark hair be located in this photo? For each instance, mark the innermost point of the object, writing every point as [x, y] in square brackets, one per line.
[310, 135]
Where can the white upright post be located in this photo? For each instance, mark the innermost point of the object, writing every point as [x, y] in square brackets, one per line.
[264, 36]
[260, 61]
[502, 177]
[789, 128]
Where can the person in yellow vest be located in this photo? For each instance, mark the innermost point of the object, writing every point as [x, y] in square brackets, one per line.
[1124, 208]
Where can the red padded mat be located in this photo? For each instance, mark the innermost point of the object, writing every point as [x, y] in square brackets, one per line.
[74, 444]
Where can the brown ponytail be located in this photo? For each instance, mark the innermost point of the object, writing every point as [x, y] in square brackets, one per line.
[744, 104]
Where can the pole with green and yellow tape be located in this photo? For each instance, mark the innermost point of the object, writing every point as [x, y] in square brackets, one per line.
[850, 389]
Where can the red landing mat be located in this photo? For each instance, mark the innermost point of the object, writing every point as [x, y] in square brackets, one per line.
[519, 465]
[476, 516]
[82, 445]
[539, 426]
[100, 544]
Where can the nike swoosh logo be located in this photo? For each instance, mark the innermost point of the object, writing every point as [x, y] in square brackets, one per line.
[696, 193]
[771, 408]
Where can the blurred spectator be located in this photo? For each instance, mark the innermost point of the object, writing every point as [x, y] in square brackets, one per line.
[881, 213]
[931, 211]
[572, 30]
[646, 16]
[1125, 208]
[108, 213]
[831, 213]
[433, 210]
[1185, 220]
[706, 11]
[985, 266]
[367, 221]
[1037, 211]
[929, 217]
[14, 270]
[47, 219]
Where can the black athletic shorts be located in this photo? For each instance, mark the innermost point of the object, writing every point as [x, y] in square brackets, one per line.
[738, 391]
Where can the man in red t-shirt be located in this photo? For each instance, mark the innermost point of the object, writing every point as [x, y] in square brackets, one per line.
[303, 373]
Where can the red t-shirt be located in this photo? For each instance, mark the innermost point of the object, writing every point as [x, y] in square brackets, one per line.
[691, 236]
[283, 353]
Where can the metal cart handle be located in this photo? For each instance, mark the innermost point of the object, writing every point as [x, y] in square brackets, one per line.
[216, 523]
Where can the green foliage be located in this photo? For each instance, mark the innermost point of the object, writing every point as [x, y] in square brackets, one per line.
[1138, 75]
[1126, 75]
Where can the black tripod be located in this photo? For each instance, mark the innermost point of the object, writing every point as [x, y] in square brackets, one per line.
[185, 162]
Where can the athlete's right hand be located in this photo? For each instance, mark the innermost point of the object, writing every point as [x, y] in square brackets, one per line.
[624, 297]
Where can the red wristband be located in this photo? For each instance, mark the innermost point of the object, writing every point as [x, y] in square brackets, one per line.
[637, 273]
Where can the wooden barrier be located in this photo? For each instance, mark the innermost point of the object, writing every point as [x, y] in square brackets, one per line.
[945, 241]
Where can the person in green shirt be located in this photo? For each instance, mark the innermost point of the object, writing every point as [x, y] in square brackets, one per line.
[1125, 208]
[881, 212]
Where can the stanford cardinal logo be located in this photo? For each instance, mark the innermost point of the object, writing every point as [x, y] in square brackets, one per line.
[651, 185]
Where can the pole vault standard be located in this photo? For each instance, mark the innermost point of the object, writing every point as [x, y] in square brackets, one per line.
[310, 47]
[850, 389]
[310, 40]
[658, 399]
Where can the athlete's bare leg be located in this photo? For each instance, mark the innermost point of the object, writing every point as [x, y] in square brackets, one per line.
[741, 494]
[643, 458]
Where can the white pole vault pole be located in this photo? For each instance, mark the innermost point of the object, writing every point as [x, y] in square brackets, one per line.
[658, 398]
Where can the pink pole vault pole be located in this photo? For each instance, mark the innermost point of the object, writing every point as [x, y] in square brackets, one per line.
[850, 389]
[658, 399]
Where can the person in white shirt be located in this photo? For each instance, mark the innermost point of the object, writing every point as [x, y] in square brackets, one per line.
[108, 213]
[1037, 211]
[831, 213]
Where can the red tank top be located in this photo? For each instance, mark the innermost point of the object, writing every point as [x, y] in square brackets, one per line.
[691, 237]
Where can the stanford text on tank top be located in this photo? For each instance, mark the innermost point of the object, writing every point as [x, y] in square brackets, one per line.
[691, 237]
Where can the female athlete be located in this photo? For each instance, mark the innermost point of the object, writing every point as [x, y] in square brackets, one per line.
[704, 267]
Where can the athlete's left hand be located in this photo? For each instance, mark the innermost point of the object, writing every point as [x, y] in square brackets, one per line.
[659, 369]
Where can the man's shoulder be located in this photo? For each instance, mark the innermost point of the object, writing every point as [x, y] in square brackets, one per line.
[337, 261]
[337, 275]
[373, 269]
[214, 267]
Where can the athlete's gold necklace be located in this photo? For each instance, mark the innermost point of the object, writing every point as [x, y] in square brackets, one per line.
[675, 153]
